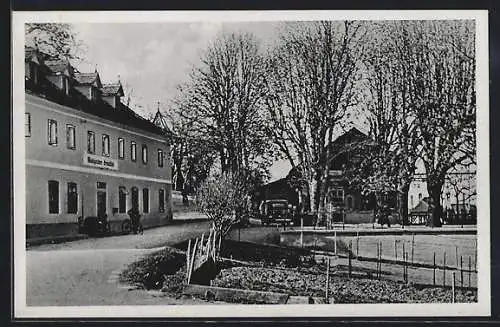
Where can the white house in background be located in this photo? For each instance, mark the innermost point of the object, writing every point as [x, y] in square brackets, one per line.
[459, 190]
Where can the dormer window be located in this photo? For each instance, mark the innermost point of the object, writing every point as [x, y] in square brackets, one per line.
[65, 84]
[34, 73]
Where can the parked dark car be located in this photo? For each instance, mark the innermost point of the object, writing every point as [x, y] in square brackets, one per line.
[276, 212]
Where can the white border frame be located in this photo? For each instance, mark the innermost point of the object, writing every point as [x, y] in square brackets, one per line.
[482, 308]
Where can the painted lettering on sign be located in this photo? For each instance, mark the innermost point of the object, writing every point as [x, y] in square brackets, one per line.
[99, 162]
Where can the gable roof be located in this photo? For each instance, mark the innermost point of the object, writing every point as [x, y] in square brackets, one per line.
[59, 66]
[34, 55]
[422, 207]
[160, 121]
[112, 89]
[88, 79]
[352, 135]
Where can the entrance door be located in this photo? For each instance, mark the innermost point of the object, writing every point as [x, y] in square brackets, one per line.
[135, 198]
[101, 202]
[350, 204]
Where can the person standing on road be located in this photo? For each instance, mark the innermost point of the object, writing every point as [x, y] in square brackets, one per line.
[134, 218]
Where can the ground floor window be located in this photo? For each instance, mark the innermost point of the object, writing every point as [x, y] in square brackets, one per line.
[122, 199]
[145, 200]
[161, 200]
[53, 197]
[72, 198]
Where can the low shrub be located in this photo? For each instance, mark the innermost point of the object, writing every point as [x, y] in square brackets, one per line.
[150, 271]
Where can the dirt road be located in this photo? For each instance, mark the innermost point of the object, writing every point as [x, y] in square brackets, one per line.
[85, 272]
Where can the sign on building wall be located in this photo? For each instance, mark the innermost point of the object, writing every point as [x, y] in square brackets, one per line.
[332, 172]
[99, 162]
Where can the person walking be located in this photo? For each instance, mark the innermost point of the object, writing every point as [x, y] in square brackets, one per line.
[134, 218]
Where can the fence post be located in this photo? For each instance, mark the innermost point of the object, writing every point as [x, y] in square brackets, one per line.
[444, 268]
[335, 241]
[395, 250]
[327, 286]
[350, 263]
[376, 275]
[187, 261]
[412, 246]
[475, 255]
[469, 270]
[434, 271]
[301, 232]
[380, 261]
[357, 244]
[406, 267]
[453, 289]
[456, 255]
[461, 273]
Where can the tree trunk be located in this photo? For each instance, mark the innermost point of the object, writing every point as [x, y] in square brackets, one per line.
[403, 204]
[179, 180]
[322, 190]
[312, 195]
[435, 194]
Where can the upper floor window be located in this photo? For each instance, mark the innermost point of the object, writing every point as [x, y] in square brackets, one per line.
[72, 198]
[27, 124]
[53, 197]
[66, 84]
[70, 136]
[145, 154]
[52, 132]
[337, 195]
[105, 145]
[133, 151]
[90, 142]
[92, 93]
[160, 158]
[121, 148]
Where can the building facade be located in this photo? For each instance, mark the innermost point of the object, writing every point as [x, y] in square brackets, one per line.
[87, 154]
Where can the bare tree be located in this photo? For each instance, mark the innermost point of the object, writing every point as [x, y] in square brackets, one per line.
[310, 86]
[55, 39]
[191, 157]
[221, 103]
[439, 58]
[220, 197]
[392, 121]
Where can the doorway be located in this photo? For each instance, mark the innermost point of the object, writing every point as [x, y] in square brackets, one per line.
[135, 198]
[101, 199]
[101, 202]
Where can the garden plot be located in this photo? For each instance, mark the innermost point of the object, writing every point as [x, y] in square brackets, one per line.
[447, 248]
[296, 272]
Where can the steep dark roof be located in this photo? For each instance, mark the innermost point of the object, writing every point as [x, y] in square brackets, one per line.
[59, 66]
[32, 54]
[122, 114]
[352, 135]
[88, 79]
[112, 89]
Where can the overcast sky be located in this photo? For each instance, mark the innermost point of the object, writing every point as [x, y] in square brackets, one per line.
[152, 59]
